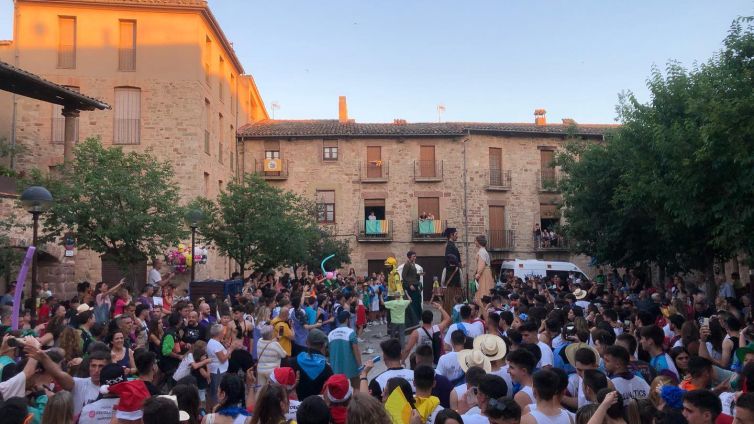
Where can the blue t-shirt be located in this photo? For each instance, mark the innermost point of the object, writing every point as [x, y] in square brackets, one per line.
[300, 333]
[311, 315]
[664, 365]
[342, 358]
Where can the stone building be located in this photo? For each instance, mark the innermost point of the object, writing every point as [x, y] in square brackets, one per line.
[174, 82]
[495, 179]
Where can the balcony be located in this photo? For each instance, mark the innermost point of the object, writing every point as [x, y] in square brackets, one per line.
[501, 240]
[427, 170]
[428, 230]
[375, 231]
[268, 169]
[548, 180]
[499, 180]
[374, 171]
[556, 244]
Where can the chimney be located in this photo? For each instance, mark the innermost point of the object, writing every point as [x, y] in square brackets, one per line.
[539, 117]
[569, 122]
[342, 110]
[399, 121]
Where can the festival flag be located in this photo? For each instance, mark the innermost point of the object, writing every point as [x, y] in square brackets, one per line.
[398, 407]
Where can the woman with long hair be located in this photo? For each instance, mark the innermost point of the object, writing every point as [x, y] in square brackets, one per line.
[483, 273]
[70, 342]
[59, 409]
[230, 408]
[156, 331]
[120, 354]
[271, 405]
[690, 336]
[681, 360]
[611, 410]
[188, 400]
[365, 409]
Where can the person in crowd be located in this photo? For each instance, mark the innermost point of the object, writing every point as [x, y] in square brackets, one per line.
[629, 385]
[460, 399]
[283, 331]
[651, 339]
[701, 407]
[744, 409]
[270, 354]
[491, 387]
[366, 409]
[271, 406]
[345, 354]
[231, 396]
[218, 364]
[466, 325]
[448, 365]
[521, 364]
[545, 384]
[397, 322]
[313, 410]
[427, 333]
[391, 355]
[443, 387]
[59, 409]
[312, 366]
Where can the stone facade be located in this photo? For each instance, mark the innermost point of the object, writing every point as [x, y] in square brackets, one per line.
[518, 202]
[193, 95]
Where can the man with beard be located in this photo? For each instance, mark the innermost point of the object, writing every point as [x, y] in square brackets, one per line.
[193, 332]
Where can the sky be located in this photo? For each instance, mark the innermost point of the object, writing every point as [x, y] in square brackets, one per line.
[484, 60]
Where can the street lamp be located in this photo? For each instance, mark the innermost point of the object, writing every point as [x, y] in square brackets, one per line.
[35, 199]
[194, 217]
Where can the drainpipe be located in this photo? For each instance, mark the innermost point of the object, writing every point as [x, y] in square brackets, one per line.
[465, 219]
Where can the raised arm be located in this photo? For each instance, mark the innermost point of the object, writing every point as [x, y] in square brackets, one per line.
[446, 320]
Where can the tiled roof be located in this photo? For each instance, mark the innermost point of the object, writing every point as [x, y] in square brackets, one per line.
[334, 128]
[19, 81]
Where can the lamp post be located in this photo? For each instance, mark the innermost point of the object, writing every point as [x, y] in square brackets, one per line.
[194, 217]
[35, 199]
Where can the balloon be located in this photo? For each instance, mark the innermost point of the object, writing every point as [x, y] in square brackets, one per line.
[20, 286]
[330, 275]
[322, 264]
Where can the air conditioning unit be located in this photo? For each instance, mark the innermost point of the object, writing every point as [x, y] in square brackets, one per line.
[273, 165]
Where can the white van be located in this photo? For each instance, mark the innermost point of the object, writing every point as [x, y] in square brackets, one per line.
[523, 268]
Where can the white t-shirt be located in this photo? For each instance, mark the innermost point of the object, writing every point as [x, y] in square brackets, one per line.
[547, 355]
[505, 375]
[576, 389]
[84, 392]
[473, 329]
[562, 418]
[726, 399]
[474, 419]
[215, 366]
[631, 388]
[449, 367]
[99, 412]
[15, 387]
[154, 277]
[583, 304]
[292, 409]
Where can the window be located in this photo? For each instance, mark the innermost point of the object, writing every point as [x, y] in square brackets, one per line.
[272, 154]
[58, 123]
[326, 206]
[220, 152]
[127, 46]
[206, 184]
[208, 122]
[127, 115]
[207, 56]
[67, 42]
[330, 150]
[429, 207]
[220, 136]
[220, 80]
[219, 186]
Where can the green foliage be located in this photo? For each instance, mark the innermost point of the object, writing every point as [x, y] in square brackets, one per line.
[256, 223]
[9, 151]
[125, 205]
[674, 185]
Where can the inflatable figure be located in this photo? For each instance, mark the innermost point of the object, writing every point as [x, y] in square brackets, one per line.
[394, 286]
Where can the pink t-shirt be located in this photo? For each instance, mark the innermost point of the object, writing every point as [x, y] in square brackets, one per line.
[120, 306]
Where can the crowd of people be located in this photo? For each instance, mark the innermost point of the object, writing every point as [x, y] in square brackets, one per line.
[544, 350]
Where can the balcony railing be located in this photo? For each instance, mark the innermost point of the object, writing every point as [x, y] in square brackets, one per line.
[548, 243]
[126, 59]
[374, 230]
[427, 170]
[374, 171]
[268, 172]
[501, 240]
[428, 230]
[499, 179]
[548, 180]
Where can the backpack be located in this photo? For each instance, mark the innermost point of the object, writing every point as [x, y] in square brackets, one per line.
[435, 341]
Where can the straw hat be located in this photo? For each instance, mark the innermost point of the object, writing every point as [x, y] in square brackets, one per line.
[473, 358]
[580, 294]
[491, 345]
[571, 349]
[83, 308]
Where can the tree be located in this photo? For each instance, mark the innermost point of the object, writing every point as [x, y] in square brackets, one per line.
[124, 205]
[674, 184]
[10, 257]
[323, 245]
[256, 223]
